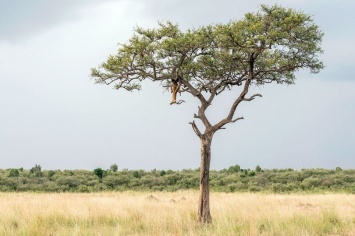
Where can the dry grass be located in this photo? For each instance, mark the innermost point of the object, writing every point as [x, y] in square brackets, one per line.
[134, 213]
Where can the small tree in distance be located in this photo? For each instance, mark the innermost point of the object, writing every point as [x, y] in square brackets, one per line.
[99, 172]
[36, 168]
[264, 47]
[234, 169]
[114, 168]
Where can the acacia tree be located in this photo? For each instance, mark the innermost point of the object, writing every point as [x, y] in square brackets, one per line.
[263, 47]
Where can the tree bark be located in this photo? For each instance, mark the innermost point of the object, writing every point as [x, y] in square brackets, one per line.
[204, 215]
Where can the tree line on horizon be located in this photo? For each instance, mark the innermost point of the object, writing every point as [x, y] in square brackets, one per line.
[232, 179]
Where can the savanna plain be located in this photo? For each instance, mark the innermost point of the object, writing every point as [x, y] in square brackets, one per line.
[175, 213]
[162, 213]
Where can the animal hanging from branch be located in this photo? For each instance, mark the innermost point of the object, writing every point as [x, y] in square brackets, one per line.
[175, 87]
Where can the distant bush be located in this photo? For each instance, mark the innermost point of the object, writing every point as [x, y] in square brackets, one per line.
[99, 172]
[14, 173]
[232, 179]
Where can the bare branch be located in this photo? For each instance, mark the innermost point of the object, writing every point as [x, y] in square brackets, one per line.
[195, 128]
[239, 99]
[239, 118]
[213, 94]
[202, 115]
[224, 122]
[196, 116]
[252, 97]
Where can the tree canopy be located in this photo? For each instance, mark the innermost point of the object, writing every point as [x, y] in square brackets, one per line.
[275, 41]
[263, 47]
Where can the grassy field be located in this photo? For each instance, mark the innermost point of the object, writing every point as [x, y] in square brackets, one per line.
[136, 213]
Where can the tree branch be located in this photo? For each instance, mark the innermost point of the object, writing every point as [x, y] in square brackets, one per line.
[241, 97]
[252, 97]
[195, 129]
[196, 116]
[213, 94]
[194, 91]
[239, 118]
[202, 115]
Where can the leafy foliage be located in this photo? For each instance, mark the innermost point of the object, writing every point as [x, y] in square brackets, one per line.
[99, 172]
[114, 168]
[226, 180]
[275, 41]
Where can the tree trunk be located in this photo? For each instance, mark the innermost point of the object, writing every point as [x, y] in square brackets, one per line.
[204, 215]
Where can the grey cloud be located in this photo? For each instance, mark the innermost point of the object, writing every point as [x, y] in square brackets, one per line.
[195, 13]
[52, 114]
[20, 20]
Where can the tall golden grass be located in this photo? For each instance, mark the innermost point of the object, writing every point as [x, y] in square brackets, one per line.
[137, 213]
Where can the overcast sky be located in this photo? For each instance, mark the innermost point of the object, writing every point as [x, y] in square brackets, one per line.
[52, 114]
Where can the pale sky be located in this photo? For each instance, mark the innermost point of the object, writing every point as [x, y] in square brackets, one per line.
[52, 114]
